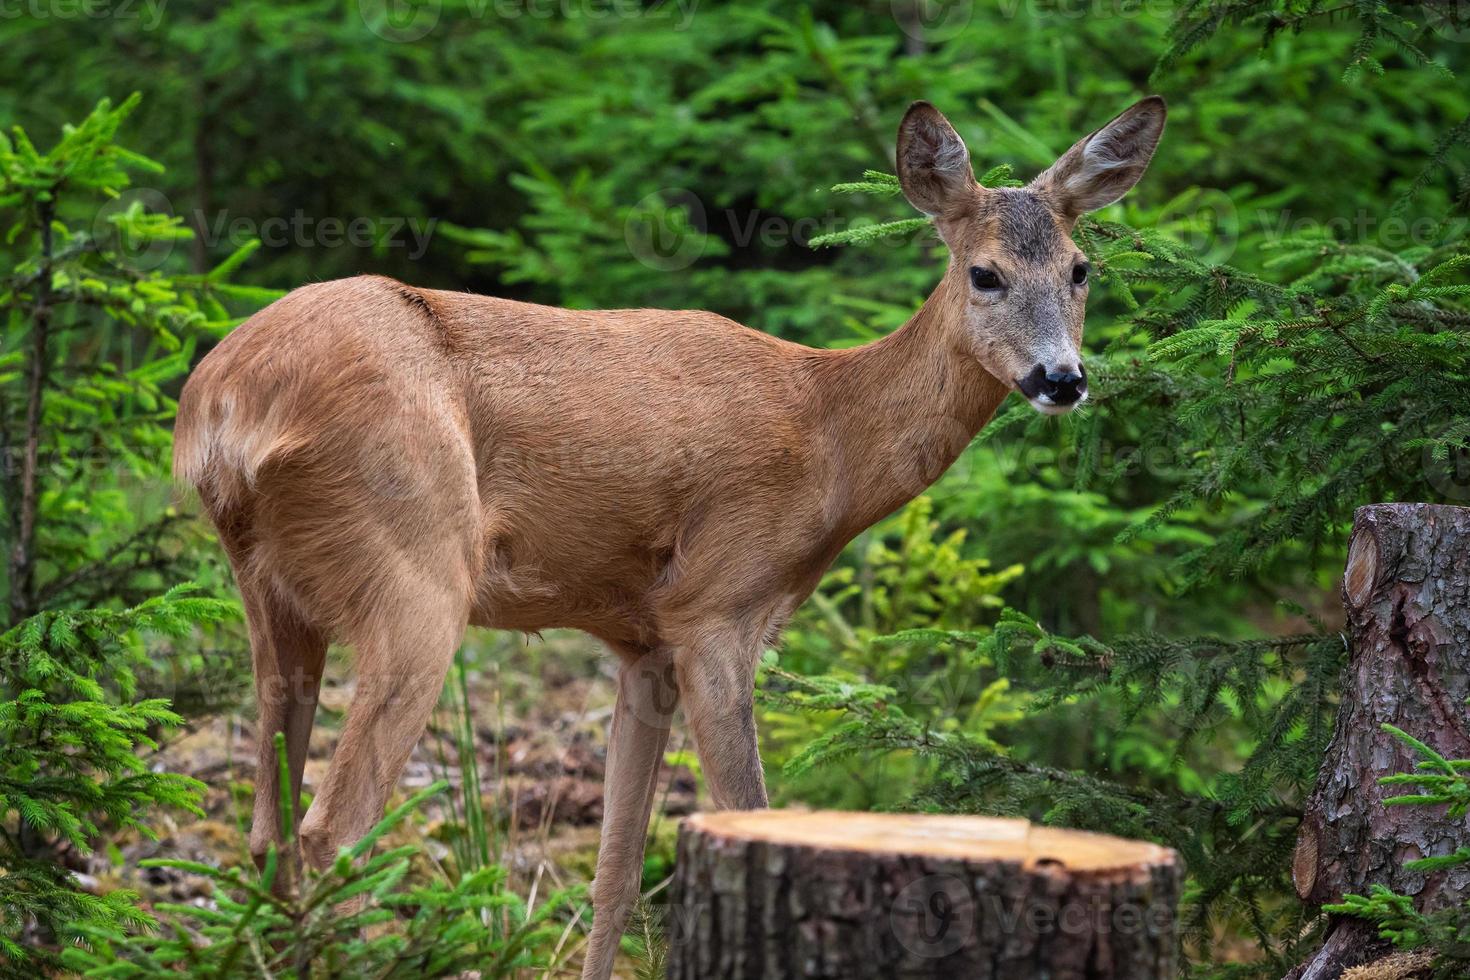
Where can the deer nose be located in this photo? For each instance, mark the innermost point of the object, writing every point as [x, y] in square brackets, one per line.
[1065, 386]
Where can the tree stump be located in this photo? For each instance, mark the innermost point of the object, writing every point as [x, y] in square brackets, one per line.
[1407, 594]
[777, 894]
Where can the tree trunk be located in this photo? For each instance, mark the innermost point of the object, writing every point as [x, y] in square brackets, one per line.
[1407, 593]
[777, 894]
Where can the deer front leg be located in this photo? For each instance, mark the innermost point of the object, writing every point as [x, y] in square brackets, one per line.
[717, 681]
[647, 697]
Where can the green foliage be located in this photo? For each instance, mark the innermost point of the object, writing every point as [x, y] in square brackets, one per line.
[71, 728]
[334, 924]
[473, 837]
[904, 575]
[906, 572]
[246, 107]
[880, 184]
[1441, 782]
[63, 725]
[1321, 404]
[1380, 25]
[93, 335]
[647, 942]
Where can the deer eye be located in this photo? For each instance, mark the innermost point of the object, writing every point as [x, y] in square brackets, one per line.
[982, 278]
[1079, 273]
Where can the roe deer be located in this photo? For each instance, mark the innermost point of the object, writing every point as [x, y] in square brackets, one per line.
[386, 464]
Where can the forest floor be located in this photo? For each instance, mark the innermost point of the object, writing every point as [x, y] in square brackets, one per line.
[540, 709]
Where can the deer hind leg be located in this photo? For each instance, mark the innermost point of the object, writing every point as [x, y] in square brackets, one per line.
[373, 527]
[288, 654]
[403, 656]
[647, 697]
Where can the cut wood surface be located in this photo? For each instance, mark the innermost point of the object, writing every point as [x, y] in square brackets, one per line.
[778, 893]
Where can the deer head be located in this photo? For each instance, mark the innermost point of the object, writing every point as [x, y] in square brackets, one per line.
[1016, 282]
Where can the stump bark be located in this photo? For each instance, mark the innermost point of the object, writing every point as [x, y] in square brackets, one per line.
[1407, 595]
[779, 894]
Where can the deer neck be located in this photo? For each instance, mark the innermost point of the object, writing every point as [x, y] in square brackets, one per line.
[899, 411]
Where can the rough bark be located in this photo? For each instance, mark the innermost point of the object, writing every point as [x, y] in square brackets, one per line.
[1407, 595]
[777, 894]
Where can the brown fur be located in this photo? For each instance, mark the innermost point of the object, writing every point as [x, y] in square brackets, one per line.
[386, 464]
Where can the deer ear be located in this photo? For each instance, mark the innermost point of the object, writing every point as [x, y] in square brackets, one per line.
[1104, 166]
[933, 164]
